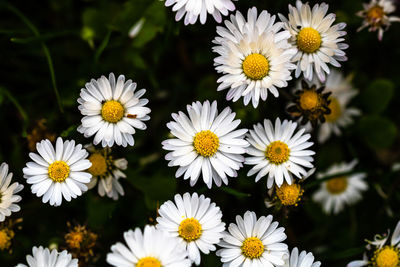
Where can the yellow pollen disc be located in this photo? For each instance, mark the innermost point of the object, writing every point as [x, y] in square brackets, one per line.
[190, 229]
[99, 164]
[148, 262]
[58, 171]
[309, 40]
[335, 108]
[5, 239]
[375, 14]
[309, 100]
[112, 111]
[75, 239]
[277, 152]
[255, 66]
[252, 248]
[289, 194]
[387, 256]
[206, 143]
[336, 185]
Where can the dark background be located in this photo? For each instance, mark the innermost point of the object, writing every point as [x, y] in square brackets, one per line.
[86, 39]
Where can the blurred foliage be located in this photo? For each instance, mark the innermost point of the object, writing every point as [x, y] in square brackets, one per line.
[54, 48]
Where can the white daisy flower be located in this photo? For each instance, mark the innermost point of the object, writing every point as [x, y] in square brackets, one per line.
[317, 42]
[253, 242]
[191, 10]
[195, 221]
[254, 57]
[106, 172]
[336, 192]
[384, 253]
[303, 260]
[42, 257]
[59, 172]
[112, 110]
[279, 152]
[152, 248]
[376, 16]
[206, 144]
[8, 193]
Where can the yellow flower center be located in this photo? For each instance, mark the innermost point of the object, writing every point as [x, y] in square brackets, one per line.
[255, 66]
[289, 194]
[190, 229]
[148, 262]
[309, 99]
[337, 185]
[387, 256]
[99, 164]
[375, 14]
[75, 239]
[5, 238]
[112, 111]
[277, 152]
[335, 108]
[58, 171]
[309, 40]
[206, 143]
[252, 248]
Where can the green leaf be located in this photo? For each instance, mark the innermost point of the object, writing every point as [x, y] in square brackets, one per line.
[234, 192]
[378, 132]
[377, 96]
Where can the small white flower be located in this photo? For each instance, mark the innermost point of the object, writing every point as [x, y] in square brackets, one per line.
[253, 242]
[254, 56]
[106, 172]
[191, 10]
[8, 193]
[42, 257]
[58, 173]
[279, 152]
[339, 191]
[303, 260]
[112, 110]
[206, 144]
[153, 248]
[195, 221]
[384, 253]
[317, 42]
[376, 16]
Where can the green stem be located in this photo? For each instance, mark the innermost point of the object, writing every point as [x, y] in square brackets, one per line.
[102, 46]
[20, 109]
[45, 50]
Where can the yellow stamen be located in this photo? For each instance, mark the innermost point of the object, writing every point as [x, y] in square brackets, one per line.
[375, 14]
[206, 143]
[255, 66]
[112, 111]
[277, 152]
[190, 229]
[148, 262]
[58, 171]
[387, 256]
[309, 99]
[252, 248]
[289, 195]
[99, 164]
[5, 238]
[337, 185]
[309, 40]
[335, 108]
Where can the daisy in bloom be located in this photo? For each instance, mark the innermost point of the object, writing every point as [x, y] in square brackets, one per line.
[206, 144]
[338, 191]
[42, 257]
[193, 9]
[106, 172]
[381, 252]
[58, 172]
[254, 57]
[8, 193]
[279, 152]
[303, 260]
[253, 242]
[376, 16]
[317, 42]
[152, 248]
[112, 110]
[195, 221]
